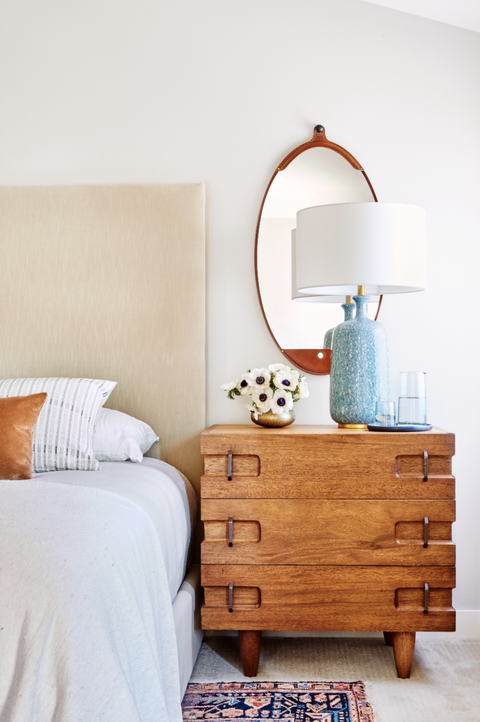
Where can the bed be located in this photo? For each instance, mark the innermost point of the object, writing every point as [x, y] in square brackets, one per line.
[99, 601]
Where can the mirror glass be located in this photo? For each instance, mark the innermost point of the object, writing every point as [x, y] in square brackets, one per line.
[316, 176]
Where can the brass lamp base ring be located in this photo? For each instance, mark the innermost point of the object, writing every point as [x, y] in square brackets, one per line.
[353, 426]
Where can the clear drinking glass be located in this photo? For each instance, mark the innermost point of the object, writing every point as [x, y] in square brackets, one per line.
[412, 400]
[385, 413]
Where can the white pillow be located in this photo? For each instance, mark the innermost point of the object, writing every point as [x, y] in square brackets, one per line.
[119, 437]
[63, 437]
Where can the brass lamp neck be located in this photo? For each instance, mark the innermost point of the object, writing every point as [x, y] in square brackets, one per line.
[361, 290]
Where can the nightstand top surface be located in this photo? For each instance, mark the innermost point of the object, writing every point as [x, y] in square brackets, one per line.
[311, 429]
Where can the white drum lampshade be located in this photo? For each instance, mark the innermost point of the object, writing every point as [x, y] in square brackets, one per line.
[381, 246]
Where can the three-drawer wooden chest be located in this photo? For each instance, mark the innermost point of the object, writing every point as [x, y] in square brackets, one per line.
[320, 528]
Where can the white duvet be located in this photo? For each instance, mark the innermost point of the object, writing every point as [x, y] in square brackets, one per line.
[89, 565]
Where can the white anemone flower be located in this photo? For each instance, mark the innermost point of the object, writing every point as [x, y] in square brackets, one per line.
[230, 386]
[253, 409]
[262, 399]
[302, 390]
[282, 401]
[273, 368]
[260, 378]
[244, 385]
[286, 379]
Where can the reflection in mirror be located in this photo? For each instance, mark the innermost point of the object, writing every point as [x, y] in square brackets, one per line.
[316, 176]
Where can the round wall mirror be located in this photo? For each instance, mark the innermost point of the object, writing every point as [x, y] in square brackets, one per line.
[316, 173]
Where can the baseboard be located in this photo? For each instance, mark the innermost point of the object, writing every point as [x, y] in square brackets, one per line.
[468, 627]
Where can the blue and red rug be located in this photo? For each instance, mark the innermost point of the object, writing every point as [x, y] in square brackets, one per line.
[286, 701]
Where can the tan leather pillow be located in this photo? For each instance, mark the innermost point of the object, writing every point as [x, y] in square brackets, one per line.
[18, 416]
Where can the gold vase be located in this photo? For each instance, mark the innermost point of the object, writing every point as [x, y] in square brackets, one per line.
[274, 421]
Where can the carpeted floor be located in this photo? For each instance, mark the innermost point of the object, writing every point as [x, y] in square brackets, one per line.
[444, 686]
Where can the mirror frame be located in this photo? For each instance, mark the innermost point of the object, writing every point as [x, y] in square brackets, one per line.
[312, 361]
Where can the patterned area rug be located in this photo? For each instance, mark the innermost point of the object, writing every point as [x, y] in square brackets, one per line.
[287, 701]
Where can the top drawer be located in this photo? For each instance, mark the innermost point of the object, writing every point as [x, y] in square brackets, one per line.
[315, 462]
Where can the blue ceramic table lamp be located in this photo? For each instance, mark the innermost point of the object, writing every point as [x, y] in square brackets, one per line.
[362, 248]
[349, 312]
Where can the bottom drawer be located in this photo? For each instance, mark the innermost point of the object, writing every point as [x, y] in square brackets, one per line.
[328, 598]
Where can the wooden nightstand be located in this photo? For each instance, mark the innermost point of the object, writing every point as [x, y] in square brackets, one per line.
[321, 528]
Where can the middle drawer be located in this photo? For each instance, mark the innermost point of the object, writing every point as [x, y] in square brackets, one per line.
[318, 531]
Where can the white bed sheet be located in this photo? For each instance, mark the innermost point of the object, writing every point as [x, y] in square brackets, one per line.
[159, 490]
[186, 614]
[87, 581]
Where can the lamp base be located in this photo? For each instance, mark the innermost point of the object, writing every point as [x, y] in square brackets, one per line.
[360, 373]
[353, 426]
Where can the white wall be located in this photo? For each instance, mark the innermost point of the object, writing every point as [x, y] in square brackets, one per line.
[219, 91]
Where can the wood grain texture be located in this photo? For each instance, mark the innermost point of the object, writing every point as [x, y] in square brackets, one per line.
[340, 541]
[243, 597]
[242, 532]
[411, 532]
[313, 531]
[403, 649]
[331, 598]
[241, 466]
[413, 598]
[250, 642]
[331, 463]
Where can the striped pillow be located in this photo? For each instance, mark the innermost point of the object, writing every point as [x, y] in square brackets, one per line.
[63, 437]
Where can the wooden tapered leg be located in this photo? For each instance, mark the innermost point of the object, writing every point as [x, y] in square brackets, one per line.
[250, 643]
[388, 637]
[403, 649]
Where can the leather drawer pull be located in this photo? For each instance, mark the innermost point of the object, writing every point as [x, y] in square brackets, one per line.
[230, 597]
[426, 590]
[425, 532]
[425, 465]
[230, 464]
[230, 531]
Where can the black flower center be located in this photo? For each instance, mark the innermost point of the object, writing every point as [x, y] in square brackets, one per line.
[286, 382]
[244, 383]
[260, 380]
[281, 402]
[263, 397]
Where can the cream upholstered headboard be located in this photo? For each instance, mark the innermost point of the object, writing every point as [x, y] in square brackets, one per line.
[108, 282]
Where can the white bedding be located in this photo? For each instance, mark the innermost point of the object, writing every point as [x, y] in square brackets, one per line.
[89, 565]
